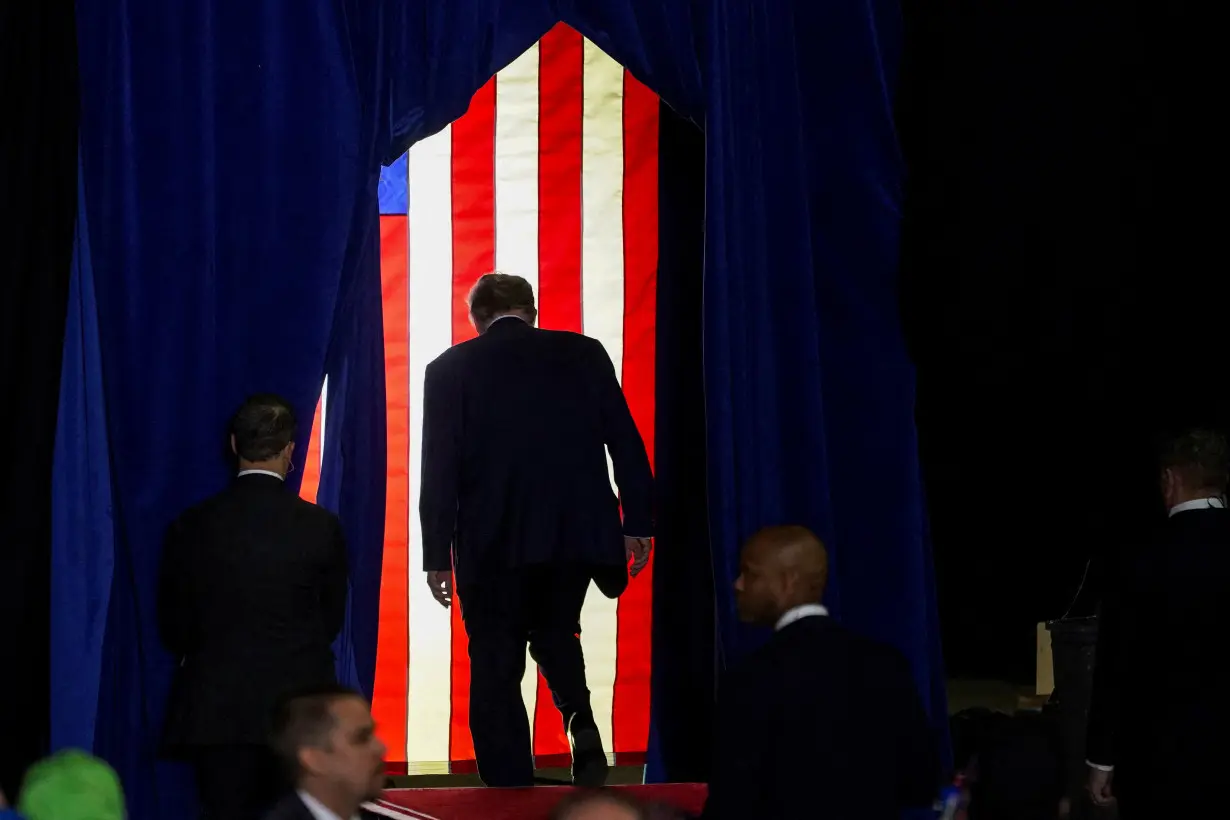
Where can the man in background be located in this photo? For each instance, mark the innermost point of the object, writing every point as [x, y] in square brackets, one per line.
[516, 500]
[252, 595]
[599, 805]
[819, 722]
[1158, 715]
[326, 742]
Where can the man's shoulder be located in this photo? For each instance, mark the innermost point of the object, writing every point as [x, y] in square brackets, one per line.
[312, 511]
[290, 807]
[478, 347]
[205, 509]
[824, 641]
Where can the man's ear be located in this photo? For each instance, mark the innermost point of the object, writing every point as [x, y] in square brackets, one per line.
[290, 451]
[234, 447]
[309, 759]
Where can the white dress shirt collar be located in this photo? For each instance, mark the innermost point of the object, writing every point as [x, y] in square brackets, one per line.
[1210, 503]
[278, 476]
[798, 613]
[319, 810]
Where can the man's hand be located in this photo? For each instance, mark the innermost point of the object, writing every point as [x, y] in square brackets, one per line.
[1100, 787]
[441, 584]
[637, 551]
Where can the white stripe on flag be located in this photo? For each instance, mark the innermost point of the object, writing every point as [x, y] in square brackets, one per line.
[516, 167]
[429, 701]
[602, 316]
[516, 212]
[324, 411]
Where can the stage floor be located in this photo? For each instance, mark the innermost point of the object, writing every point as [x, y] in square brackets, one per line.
[516, 804]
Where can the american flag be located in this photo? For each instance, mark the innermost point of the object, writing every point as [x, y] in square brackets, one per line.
[552, 174]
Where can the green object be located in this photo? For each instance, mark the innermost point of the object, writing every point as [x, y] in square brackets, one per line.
[71, 785]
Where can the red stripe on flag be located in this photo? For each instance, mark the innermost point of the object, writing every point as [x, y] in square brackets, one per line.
[392, 649]
[473, 255]
[630, 718]
[560, 106]
[310, 485]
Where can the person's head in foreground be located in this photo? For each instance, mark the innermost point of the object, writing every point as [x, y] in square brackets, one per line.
[71, 785]
[781, 568]
[326, 741]
[263, 434]
[1194, 465]
[598, 805]
[496, 295]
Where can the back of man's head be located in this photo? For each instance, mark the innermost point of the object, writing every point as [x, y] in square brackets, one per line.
[599, 805]
[262, 428]
[325, 739]
[1195, 463]
[501, 294]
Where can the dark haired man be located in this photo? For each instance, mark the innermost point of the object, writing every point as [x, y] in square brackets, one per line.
[325, 741]
[516, 500]
[252, 595]
[1159, 714]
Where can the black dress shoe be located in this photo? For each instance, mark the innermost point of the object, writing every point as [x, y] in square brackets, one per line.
[589, 766]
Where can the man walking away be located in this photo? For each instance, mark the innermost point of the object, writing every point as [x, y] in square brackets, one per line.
[516, 500]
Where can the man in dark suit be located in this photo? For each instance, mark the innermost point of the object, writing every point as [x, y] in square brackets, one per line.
[1159, 712]
[253, 593]
[516, 500]
[326, 741]
[818, 723]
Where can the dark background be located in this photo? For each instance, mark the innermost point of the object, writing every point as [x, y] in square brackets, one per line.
[1063, 289]
[38, 187]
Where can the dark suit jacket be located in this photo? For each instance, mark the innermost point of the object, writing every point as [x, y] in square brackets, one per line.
[821, 724]
[253, 593]
[1159, 710]
[516, 426]
[292, 808]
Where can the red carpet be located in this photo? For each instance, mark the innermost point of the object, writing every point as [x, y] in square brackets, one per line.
[516, 804]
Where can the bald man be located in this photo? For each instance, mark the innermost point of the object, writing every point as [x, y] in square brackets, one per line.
[818, 723]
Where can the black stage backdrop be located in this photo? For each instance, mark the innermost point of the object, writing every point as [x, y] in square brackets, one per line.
[1064, 291]
[38, 188]
[683, 627]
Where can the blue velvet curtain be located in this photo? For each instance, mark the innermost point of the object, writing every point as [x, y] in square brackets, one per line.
[228, 177]
[229, 158]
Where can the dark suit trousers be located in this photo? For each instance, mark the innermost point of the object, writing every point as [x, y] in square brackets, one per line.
[237, 782]
[541, 606]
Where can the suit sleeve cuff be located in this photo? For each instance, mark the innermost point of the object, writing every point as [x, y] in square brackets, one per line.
[1101, 767]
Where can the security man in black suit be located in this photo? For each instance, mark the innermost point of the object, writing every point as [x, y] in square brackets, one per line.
[253, 594]
[1159, 714]
[819, 722]
[516, 500]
